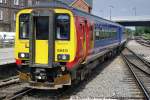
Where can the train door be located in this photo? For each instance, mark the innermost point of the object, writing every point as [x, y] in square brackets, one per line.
[87, 36]
[41, 39]
[83, 39]
[91, 35]
[86, 41]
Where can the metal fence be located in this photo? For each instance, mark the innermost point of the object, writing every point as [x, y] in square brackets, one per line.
[7, 43]
[7, 39]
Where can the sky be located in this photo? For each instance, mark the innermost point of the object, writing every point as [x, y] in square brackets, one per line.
[121, 8]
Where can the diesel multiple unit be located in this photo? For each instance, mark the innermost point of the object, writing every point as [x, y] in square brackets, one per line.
[56, 46]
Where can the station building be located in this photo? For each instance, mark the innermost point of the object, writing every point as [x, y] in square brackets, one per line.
[85, 5]
[9, 8]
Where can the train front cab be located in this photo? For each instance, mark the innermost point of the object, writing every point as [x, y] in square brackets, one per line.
[43, 39]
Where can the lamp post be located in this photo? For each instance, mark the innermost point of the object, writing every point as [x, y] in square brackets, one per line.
[110, 6]
[134, 10]
[102, 12]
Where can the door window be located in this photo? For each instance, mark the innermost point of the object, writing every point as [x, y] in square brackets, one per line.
[42, 27]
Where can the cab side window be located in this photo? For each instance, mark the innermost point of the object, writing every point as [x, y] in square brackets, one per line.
[24, 26]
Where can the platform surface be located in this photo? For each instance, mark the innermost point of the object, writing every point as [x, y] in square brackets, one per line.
[6, 56]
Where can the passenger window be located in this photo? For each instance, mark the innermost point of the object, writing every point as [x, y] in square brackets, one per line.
[101, 35]
[97, 35]
[114, 33]
[62, 27]
[42, 27]
[24, 26]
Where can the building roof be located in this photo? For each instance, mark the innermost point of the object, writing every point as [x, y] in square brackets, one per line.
[131, 18]
[90, 2]
[69, 2]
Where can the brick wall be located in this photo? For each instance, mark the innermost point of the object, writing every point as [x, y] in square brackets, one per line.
[80, 4]
[8, 10]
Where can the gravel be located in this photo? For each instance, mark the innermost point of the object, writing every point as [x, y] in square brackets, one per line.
[11, 89]
[114, 81]
[139, 49]
[110, 80]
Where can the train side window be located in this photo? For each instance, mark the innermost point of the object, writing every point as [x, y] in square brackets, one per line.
[114, 33]
[24, 26]
[100, 36]
[107, 34]
[62, 27]
[97, 35]
[101, 33]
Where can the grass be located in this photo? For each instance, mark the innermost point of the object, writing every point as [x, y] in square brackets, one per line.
[146, 36]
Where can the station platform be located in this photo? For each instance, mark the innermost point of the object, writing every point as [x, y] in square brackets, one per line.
[7, 56]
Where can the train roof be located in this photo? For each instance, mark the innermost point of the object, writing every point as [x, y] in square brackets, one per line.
[59, 4]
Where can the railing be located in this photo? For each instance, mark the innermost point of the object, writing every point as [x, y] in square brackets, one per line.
[6, 43]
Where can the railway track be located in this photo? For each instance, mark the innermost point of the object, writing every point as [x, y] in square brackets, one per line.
[9, 81]
[144, 42]
[64, 93]
[11, 94]
[140, 70]
[13, 91]
[19, 91]
[18, 94]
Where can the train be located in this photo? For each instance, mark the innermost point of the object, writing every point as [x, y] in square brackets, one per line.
[57, 46]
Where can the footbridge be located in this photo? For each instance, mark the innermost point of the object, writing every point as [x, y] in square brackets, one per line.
[133, 20]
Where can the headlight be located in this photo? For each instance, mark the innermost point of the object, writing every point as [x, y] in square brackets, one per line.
[63, 68]
[64, 57]
[23, 55]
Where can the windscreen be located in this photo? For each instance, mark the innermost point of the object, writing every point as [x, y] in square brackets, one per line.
[41, 27]
[62, 27]
[24, 26]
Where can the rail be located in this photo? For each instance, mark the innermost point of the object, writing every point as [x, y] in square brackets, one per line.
[18, 94]
[9, 81]
[140, 70]
[143, 41]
